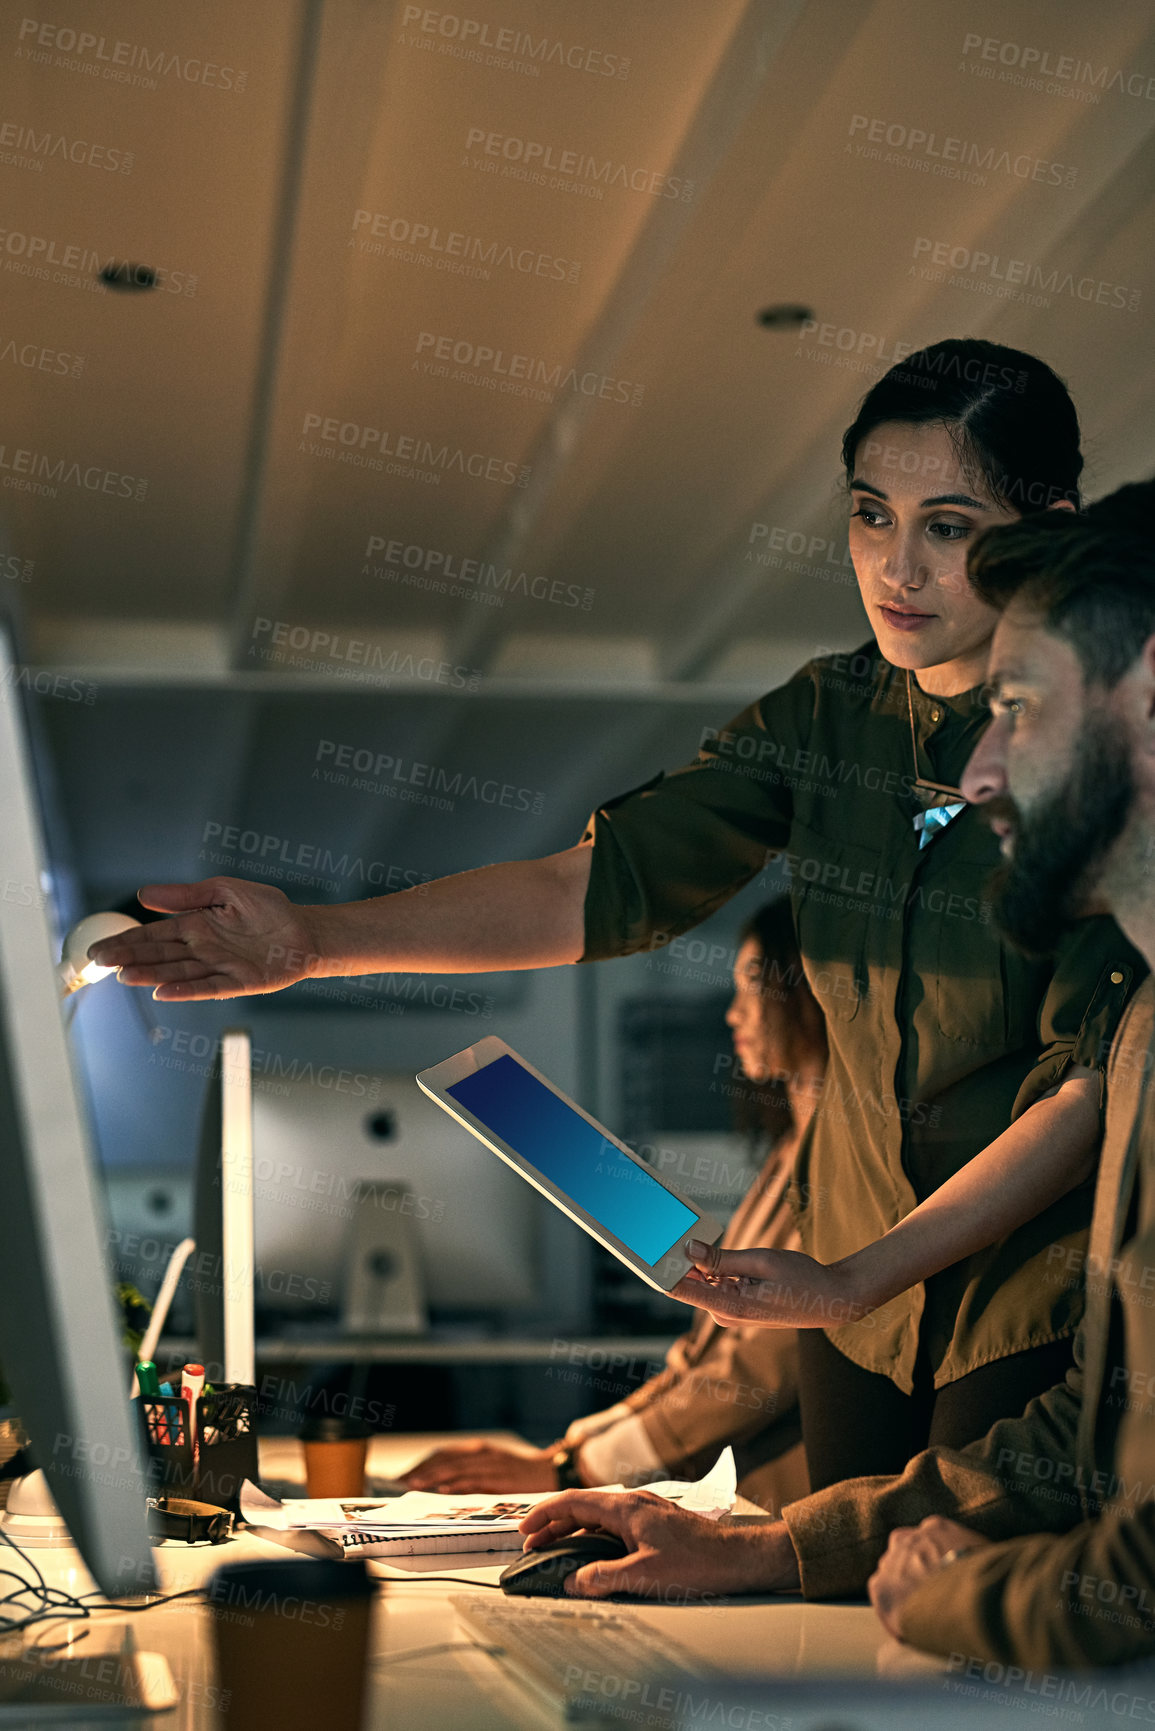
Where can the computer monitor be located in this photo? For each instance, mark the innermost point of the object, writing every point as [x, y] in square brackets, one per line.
[58, 1334]
[478, 1226]
[223, 1217]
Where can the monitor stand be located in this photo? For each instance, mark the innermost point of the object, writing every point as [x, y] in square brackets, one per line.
[384, 1288]
[105, 1676]
[103, 1673]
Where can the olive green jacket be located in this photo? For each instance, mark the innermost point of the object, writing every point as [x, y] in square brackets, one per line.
[940, 1033]
[1075, 1474]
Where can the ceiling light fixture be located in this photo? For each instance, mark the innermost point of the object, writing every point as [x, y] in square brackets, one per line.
[131, 277]
[784, 316]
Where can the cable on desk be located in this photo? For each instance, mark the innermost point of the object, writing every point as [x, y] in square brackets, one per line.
[53, 1603]
[437, 1580]
[121, 1605]
[438, 1647]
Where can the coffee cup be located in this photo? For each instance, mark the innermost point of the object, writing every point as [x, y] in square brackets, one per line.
[336, 1450]
[292, 1643]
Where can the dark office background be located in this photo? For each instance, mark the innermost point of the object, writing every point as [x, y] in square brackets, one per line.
[418, 426]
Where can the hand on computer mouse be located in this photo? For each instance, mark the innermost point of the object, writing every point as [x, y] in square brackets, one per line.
[672, 1554]
[543, 1573]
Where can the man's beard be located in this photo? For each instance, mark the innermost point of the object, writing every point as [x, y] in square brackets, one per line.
[1059, 850]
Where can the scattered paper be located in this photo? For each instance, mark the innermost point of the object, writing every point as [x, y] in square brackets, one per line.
[428, 1513]
[414, 1513]
[712, 1495]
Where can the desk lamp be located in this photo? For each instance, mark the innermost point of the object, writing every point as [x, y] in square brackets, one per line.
[75, 970]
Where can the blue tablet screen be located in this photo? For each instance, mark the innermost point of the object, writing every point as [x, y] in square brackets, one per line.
[621, 1195]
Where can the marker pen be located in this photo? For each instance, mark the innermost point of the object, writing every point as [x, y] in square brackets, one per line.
[192, 1380]
[150, 1387]
[147, 1378]
[170, 1425]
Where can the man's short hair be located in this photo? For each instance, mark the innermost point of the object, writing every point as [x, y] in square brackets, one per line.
[1090, 576]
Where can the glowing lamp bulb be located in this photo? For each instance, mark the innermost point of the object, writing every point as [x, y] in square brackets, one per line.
[75, 970]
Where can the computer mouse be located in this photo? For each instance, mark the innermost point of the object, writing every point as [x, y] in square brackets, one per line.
[543, 1574]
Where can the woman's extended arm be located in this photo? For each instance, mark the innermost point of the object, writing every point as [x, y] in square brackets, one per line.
[229, 938]
[1047, 1151]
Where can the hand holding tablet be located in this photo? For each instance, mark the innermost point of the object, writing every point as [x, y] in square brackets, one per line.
[571, 1158]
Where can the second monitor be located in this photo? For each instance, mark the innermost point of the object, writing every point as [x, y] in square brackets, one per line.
[477, 1227]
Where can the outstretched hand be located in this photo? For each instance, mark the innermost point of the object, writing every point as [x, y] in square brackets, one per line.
[227, 939]
[772, 1288]
[675, 1556]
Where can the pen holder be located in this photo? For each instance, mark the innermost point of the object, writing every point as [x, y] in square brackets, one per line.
[225, 1451]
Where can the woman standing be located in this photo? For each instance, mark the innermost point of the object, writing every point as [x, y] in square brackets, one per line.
[960, 1121]
[923, 1324]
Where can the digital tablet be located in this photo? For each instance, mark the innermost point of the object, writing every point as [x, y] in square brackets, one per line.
[571, 1158]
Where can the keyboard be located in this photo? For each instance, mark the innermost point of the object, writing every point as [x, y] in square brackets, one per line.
[585, 1661]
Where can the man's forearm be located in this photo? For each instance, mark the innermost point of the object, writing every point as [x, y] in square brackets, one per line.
[763, 1557]
[521, 914]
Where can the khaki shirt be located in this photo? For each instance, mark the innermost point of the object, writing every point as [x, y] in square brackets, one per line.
[940, 1033]
[1076, 1472]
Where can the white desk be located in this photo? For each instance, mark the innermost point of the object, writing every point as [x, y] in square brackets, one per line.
[464, 1690]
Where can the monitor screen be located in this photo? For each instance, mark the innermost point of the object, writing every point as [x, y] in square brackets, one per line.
[565, 1148]
[58, 1329]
